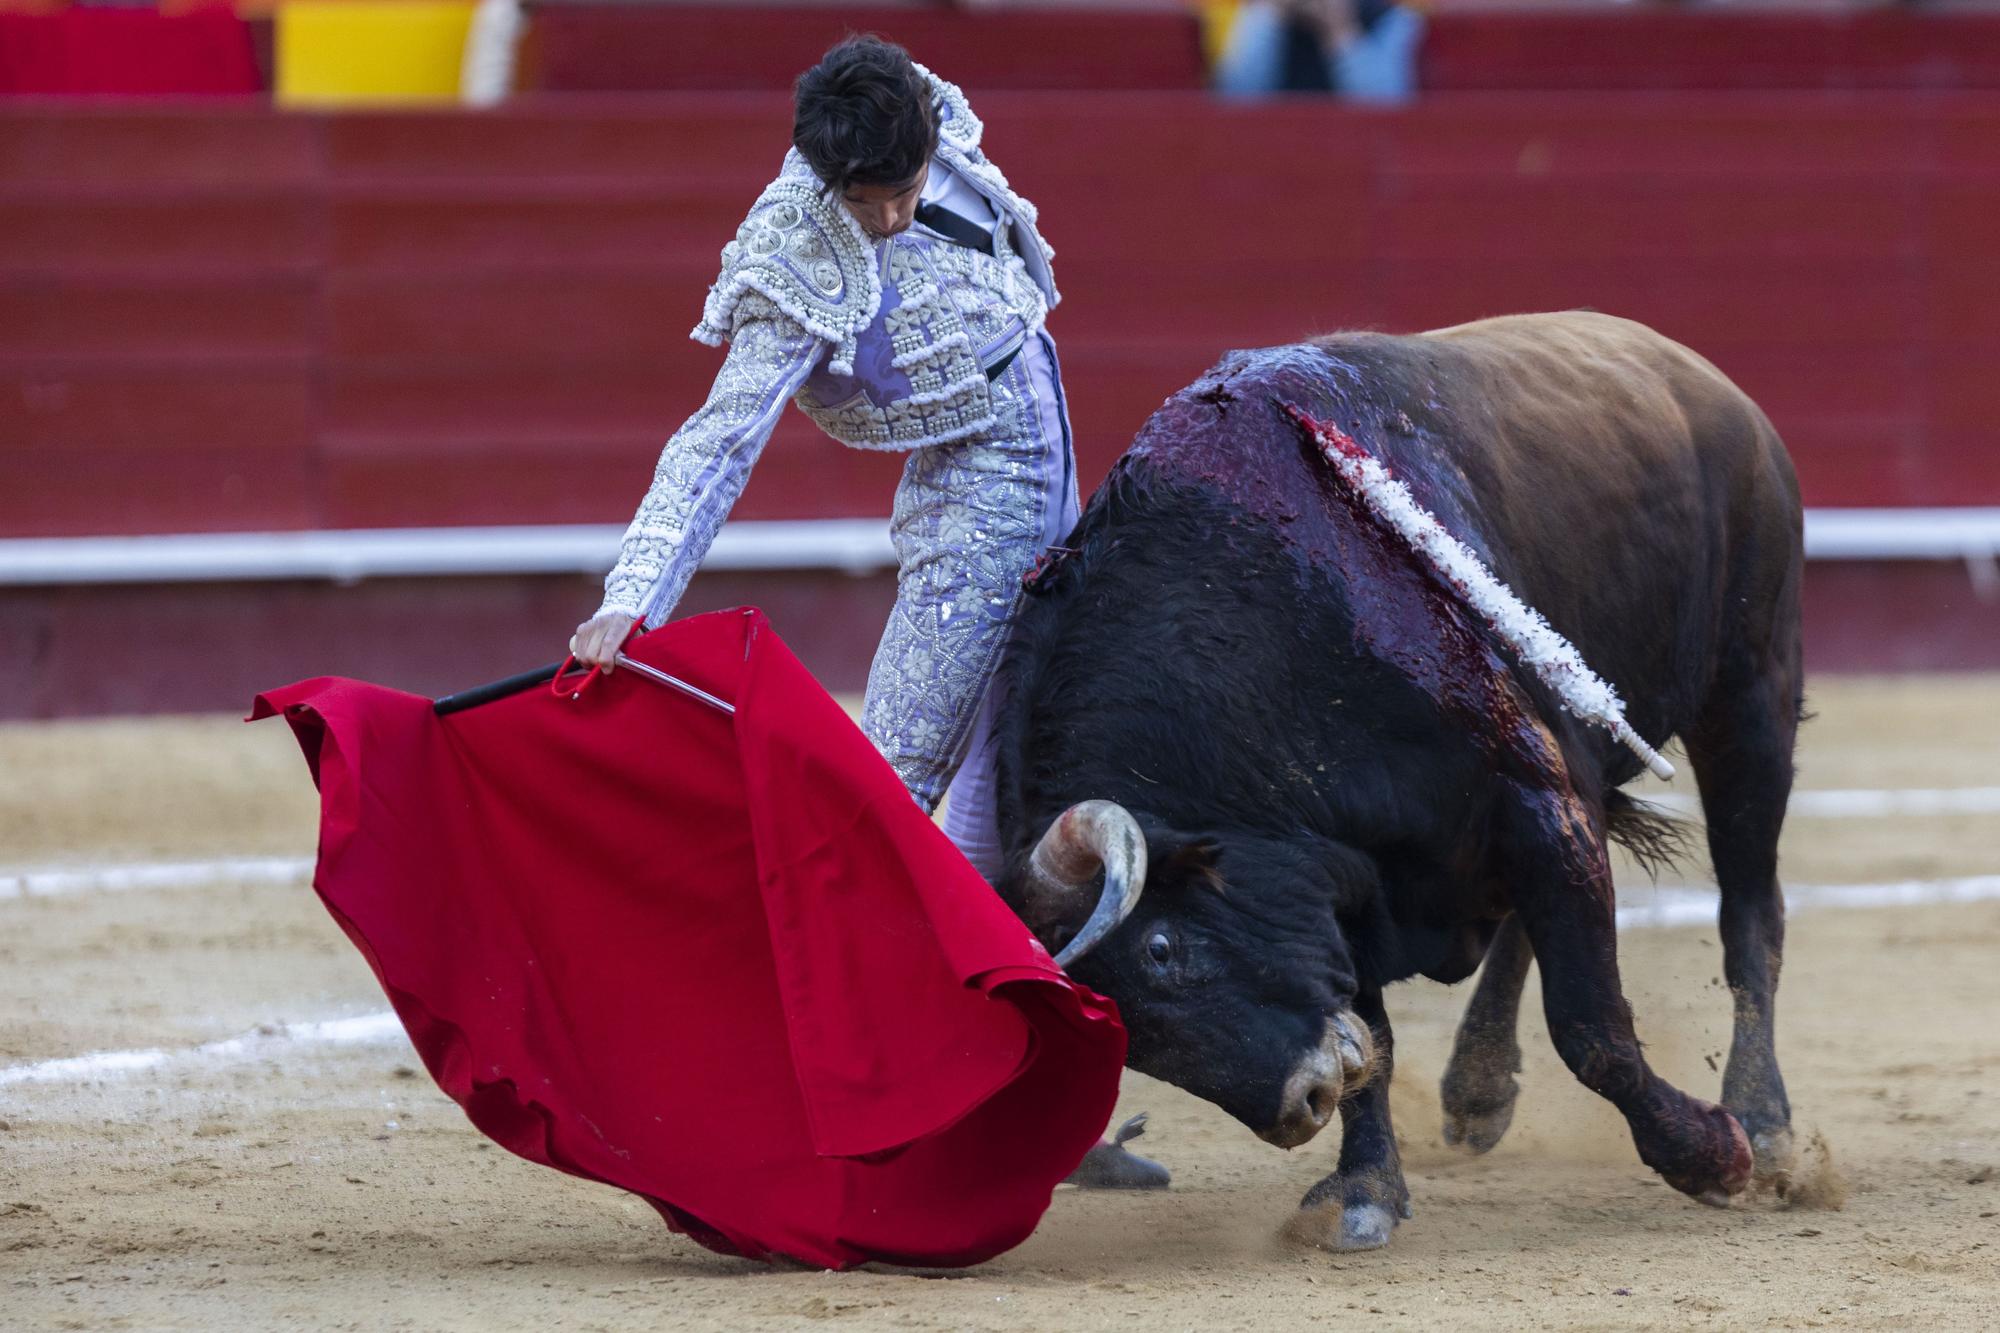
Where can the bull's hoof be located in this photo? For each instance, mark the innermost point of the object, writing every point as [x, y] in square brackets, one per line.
[1345, 1227]
[1359, 1213]
[1722, 1165]
[1366, 1226]
[1108, 1166]
[1773, 1157]
[1478, 1129]
[1479, 1107]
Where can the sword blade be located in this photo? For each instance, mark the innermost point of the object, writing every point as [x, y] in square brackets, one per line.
[676, 683]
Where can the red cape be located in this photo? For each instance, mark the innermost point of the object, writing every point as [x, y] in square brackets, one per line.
[724, 963]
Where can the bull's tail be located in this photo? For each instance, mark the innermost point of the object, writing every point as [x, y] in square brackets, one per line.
[1655, 838]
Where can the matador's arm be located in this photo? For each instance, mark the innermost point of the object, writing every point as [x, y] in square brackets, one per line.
[704, 466]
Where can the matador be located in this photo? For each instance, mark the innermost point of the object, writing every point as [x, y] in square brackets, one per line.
[892, 285]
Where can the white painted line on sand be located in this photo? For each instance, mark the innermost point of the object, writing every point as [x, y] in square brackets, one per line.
[57, 881]
[1866, 803]
[288, 871]
[1681, 905]
[1646, 908]
[262, 1043]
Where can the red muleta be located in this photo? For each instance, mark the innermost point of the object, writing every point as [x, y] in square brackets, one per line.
[721, 961]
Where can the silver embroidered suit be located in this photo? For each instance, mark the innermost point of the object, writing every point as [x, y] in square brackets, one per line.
[886, 345]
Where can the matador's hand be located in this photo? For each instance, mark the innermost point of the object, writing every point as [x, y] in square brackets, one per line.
[597, 640]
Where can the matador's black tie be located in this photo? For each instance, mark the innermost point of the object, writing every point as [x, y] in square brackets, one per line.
[956, 228]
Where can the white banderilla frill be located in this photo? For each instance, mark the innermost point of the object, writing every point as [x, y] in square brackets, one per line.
[1535, 642]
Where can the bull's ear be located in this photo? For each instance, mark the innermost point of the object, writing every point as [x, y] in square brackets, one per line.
[1175, 856]
[1197, 861]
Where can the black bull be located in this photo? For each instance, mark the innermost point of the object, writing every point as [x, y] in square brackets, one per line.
[1336, 777]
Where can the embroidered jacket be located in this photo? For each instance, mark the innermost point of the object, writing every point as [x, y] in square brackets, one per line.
[808, 256]
[883, 344]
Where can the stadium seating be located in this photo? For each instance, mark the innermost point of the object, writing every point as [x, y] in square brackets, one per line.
[1684, 49]
[229, 320]
[125, 52]
[620, 47]
[333, 52]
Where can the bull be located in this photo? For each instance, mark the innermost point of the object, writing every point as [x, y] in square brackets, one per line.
[1257, 760]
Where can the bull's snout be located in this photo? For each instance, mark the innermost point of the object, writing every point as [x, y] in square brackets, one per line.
[1340, 1066]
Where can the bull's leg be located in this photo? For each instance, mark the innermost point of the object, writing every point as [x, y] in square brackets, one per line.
[1479, 1088]
[1742, 756]
[1357, 1206]
[1563, 895]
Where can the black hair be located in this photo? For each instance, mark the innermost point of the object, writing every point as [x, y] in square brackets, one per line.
[863, 115]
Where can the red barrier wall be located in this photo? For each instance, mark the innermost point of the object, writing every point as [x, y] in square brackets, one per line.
[209, 647]
[234, 319]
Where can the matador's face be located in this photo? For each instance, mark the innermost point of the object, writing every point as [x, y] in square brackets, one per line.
[884, 210]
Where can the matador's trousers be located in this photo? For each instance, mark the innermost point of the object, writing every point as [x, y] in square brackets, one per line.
[970, 519]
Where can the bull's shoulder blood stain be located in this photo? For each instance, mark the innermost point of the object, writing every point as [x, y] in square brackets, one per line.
[1036, 580]
[1407, 611]
[1236, 434]
[1534, 642]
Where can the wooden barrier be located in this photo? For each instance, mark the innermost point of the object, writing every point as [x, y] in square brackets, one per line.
[233, 319]
[208, 647]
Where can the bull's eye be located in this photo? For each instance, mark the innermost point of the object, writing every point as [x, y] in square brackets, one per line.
[1158, 947]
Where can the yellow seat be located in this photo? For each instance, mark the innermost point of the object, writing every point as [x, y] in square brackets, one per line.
[346, 52]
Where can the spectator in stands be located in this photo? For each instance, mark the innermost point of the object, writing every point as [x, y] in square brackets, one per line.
[1363, 50]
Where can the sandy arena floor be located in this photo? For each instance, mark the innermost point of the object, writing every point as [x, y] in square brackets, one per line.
[280, 1181]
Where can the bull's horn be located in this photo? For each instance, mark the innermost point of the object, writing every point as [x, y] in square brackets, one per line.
[1087, 835]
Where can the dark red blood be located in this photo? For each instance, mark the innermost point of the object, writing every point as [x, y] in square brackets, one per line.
[1418, 617]
[1253, 430]
[1328, 435]
[1045, 564]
